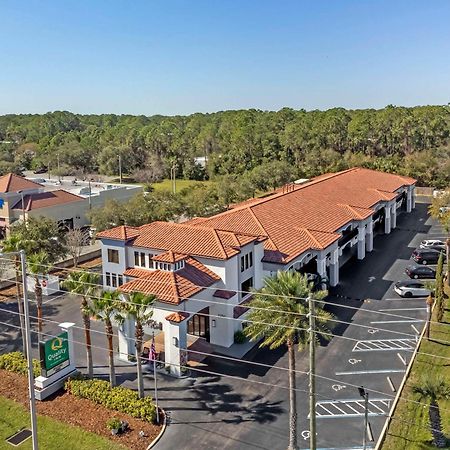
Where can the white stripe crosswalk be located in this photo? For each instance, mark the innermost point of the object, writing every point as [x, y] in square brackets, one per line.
[351, 408]
[384, 345]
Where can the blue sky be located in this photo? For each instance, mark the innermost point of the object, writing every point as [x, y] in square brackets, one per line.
[178, 57]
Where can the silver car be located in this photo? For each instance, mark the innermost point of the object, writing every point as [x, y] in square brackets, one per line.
[411, 288]
[435, 244]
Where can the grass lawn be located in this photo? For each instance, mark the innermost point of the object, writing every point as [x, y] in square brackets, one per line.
[415, 435]
[166, 185]
[52, 435]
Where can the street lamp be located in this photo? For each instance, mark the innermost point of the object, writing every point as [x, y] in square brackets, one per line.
[23, 207]
[23, 263]
[429, 302]
[365, 395]
[120, 168]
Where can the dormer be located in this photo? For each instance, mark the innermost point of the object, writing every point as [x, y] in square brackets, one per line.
[169, 261]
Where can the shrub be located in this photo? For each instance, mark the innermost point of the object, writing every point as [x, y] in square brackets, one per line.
[16, 362]
[239, 337]
[114, 423]
[115, 398]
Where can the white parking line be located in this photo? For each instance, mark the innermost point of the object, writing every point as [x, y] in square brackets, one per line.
[363, 372]
[403, 299]
[399, 321]
[384, 345]
[402, 309]
[351, 408]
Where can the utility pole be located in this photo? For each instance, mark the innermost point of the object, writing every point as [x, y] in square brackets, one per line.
[23, 208]
[90, 203]
[59, 172]
[173, 178]
[120, 169]
[365, 395]
[312, 375]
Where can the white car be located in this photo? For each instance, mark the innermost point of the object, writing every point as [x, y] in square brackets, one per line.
[432, 243]
[411, 288]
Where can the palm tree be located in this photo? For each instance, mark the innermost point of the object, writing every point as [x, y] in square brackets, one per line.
[107, 308]
[138, 305]
[38, 264]
[277, 313]
[15, 243]
[433, 390]
[85, 284]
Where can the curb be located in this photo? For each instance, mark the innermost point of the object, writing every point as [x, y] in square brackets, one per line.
[157, 438]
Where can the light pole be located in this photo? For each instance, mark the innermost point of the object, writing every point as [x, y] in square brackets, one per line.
[172, 177]
[23, 263]
[120, 168]
[312, 375]
[365, 395]
[23, 207]
[429, 302]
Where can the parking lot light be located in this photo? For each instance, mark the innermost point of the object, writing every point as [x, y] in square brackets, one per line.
[365, 395]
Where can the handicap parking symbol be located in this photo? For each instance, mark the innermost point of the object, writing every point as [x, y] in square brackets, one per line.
[338, 387]
[373, 330]
[305, 434]
[354, 361]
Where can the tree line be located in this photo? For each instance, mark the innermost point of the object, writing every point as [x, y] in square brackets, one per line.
[411, 141]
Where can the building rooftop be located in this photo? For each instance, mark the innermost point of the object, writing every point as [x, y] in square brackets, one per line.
[171, 287]
[13, 183]
[46, 199]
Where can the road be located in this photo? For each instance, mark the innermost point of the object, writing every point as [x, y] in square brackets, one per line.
[234, 405]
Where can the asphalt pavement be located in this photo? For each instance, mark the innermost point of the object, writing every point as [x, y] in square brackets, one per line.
[231, 405]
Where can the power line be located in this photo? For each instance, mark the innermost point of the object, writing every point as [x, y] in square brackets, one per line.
[230, 359]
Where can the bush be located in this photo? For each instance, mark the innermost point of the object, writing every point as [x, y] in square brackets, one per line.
[114, 423]
[239, 337]
[115, 398]
[16, 362]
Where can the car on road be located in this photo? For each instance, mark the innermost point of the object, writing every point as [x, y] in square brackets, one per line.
[411, 289]
[420, 272]
[433, 244]
[425, 256]
[40, 170]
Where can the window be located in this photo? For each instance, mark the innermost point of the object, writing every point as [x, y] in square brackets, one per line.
[142, 259]
[114, 280]
[246, 261]
[246, 286]
[113, 256]
[242, 263]
[250, 256]
[108, 279]
[136, 258]
[120, 280]
[151, 263]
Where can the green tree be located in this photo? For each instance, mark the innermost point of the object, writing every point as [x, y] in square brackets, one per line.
[107, 307]
[278, 317]
[434, 390]
[85, 284]
[38, 264]
[139, 307]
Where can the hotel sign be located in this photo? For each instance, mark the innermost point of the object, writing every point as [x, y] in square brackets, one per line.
[54, 354]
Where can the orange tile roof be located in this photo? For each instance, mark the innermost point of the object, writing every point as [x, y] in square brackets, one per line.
[46, 199]
[177, 317]
[171, 287]
[308, 215]
[183, 238]
[169, 257]
[13, 183]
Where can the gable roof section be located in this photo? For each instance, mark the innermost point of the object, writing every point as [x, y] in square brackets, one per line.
[171, 287]
[182, 238]
[47, 199]
[13, 183]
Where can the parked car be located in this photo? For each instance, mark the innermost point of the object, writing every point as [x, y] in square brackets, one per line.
[40, 170]
[434, 244]
[411, 289]
[420, 272]
[425, 256]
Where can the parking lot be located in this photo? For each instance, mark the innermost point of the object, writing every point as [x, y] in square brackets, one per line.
[239, 405]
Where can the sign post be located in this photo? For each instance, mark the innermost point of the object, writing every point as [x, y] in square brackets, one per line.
[57, 362]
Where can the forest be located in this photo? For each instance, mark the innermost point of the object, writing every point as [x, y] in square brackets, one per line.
[268, 148]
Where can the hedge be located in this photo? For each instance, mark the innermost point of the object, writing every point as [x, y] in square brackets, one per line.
[116, 398]
[16, 362]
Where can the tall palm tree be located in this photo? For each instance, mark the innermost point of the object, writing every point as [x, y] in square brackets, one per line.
[138, 306]
[107, 307]
[277, 312]
[433, 390]
[38, 264]
[15, 243]
[85, 284]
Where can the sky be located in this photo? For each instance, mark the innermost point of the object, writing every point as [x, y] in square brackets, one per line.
[180, 57]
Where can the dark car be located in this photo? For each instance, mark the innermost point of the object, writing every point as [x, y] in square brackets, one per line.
[420, 272]
[425, 256]
[40, 170]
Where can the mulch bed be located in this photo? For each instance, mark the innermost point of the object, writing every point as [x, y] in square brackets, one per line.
[79, 412]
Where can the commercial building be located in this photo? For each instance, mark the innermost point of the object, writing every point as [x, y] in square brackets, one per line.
[201, 271]
[66, 202]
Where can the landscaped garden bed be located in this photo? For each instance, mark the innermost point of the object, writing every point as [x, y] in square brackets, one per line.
[81, 412]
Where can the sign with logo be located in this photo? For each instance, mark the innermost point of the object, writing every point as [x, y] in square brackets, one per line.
[54, 354]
